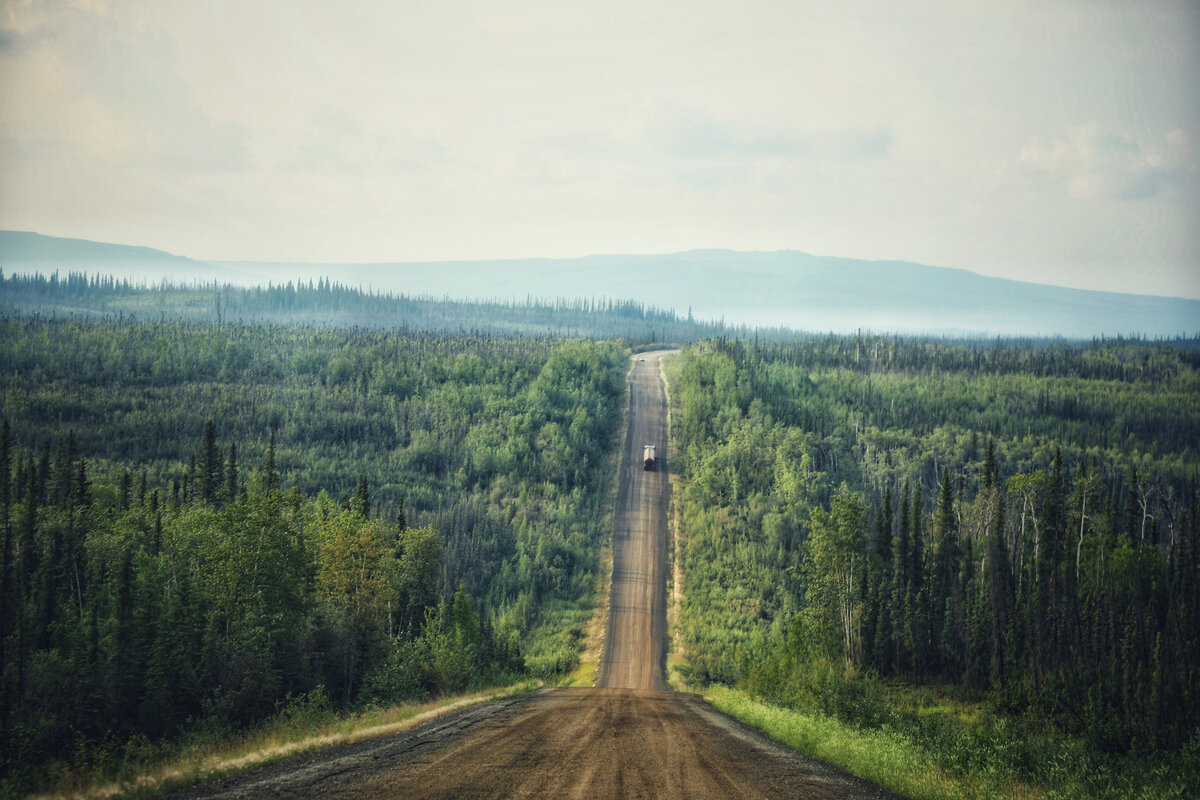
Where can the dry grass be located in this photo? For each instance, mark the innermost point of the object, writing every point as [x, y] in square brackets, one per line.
[199, 763]
[593, 632]
[676, 654]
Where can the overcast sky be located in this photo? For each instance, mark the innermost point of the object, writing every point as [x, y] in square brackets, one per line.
[1057, 142]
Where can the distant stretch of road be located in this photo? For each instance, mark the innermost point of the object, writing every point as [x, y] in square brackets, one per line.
[635, 643]
[630, 737]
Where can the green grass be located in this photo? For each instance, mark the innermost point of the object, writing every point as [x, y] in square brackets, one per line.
[1001, 762]
[883, 757]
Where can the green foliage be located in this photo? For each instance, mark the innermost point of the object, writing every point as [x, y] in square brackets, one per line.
[354, 516]
[833, 568]
[328, 304]
[455, 651]
[919, 747]
[1054, 576]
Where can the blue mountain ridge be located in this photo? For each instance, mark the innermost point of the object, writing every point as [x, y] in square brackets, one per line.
[788, 288]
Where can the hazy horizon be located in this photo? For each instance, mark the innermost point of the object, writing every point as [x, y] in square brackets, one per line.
[314, 270]
[782, 289]
[1047, 143]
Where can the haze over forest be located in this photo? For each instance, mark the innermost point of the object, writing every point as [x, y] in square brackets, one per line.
[788, 289]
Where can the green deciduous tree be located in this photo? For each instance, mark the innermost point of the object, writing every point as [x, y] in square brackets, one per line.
[833, 570]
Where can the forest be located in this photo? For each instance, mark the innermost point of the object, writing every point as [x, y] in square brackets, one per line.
[204, 522]
[1013, 525]
[326, 303]
[219, 504]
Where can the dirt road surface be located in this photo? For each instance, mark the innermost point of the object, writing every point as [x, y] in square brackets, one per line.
[628, 738]
[635, 642]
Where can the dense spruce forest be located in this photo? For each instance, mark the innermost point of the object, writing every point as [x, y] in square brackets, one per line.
[204, 521]
[1017, 524]
[325, 303]
[222, 504]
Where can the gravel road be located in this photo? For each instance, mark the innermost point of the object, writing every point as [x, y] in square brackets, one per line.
[631, 737]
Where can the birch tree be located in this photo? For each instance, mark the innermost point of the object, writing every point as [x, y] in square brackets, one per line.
[833, 571]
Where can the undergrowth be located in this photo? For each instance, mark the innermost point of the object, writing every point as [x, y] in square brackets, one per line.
[926, 745]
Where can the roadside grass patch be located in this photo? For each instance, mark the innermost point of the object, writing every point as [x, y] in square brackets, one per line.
[585, 672]
[945, 755]
[884, 757]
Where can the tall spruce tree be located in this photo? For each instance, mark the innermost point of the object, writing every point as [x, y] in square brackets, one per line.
[922, 642]
[362, 496]
[7, 602]
[1000, 592]
[880, 583]
[231, 474]
[990, 474]
[211, 464]
[902, 588]
[270, 470]
[123, 490]
[946, 591]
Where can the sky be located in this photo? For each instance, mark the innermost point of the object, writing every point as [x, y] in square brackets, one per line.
[1055, 141]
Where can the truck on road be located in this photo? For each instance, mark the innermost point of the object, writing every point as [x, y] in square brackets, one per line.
[648, 457]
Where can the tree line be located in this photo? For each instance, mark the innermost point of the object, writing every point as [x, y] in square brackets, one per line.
[130, 612]
[891, 513]
[328, 303]
[204, 520]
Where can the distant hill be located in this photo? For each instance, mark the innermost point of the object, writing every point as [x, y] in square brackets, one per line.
[771, 289]
[22, 247]
[22, 251]
[788, 289]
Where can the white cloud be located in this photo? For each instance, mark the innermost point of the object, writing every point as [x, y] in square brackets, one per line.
[97, 7]
[1093, 163]
[336, 143]
[695, 134]
[106, 84]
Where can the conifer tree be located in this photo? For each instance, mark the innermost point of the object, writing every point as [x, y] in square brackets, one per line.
[123, 490]
[5, 470]
[270, 471]
[362, 496]
[946, 590]
[7, 602]
[880, 587]
[231, 474]
[63, 472]
[902, 600]
[989, 466]
[82, 495]
[923, 640]
[211, 464]
[123, 659]
[1000, 594]
[41, 485]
